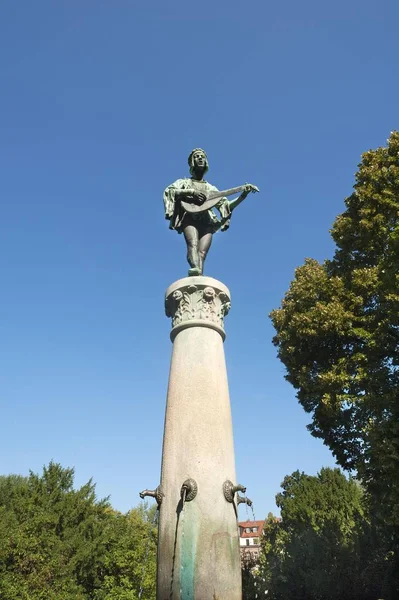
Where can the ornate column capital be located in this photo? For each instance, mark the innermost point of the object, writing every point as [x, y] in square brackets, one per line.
[197, 302]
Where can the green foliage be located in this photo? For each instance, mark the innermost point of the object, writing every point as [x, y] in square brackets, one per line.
[131, 561]
[57, 542]
[337, 332]
[320, 550]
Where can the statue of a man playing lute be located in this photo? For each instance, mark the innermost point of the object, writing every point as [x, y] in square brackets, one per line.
[189, 205]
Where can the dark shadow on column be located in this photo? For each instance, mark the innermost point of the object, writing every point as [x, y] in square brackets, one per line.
[179, 509]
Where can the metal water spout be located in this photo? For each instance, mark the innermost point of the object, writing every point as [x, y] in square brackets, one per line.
[188, 490]
[243, 500]
[239, 488]
[229, 490]
[157, 494]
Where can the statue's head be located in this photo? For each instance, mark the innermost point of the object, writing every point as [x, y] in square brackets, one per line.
[198, 159]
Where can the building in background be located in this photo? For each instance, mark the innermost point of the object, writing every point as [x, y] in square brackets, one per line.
[250, 536]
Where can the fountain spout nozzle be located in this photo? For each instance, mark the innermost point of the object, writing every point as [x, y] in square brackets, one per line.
[239, 488]
[157, 494]
[229, 490]
[243, 500]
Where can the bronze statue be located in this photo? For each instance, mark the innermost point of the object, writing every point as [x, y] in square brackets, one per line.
[189, 207]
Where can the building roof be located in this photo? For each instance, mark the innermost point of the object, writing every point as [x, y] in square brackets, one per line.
[250, 524]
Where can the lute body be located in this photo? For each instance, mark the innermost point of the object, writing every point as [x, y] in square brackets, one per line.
[211, 200]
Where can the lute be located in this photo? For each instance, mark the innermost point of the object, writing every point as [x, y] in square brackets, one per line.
[212, 198]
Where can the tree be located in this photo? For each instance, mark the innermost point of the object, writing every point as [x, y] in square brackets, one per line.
[337, 332]
[58, 542]
[130, 564]
[250, 576]
[317, 551]
[52, 537]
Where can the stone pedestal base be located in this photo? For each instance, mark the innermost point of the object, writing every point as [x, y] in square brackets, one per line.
[198, 550]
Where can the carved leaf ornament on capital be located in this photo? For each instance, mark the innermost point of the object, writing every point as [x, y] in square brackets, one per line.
[196, 303]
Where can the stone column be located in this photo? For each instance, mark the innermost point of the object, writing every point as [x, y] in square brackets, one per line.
[198, 548]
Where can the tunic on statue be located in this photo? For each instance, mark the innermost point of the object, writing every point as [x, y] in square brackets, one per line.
[205, 220]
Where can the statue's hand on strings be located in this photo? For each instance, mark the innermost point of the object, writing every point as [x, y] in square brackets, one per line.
[197, 197]
[191, 195]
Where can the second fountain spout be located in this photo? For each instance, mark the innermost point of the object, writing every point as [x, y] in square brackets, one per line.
[243, 500]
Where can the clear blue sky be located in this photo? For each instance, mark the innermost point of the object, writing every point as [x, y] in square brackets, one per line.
[100, 104]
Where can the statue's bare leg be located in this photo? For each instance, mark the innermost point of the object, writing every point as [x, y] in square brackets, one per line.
[191, 236]
[205, 242]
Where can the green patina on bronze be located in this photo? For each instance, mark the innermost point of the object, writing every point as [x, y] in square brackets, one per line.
[195, 535]
[189, 204]
[188, 549]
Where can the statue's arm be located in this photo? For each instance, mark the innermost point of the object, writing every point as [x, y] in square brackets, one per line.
[248, 189]
[226, 207]
[171, 196]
